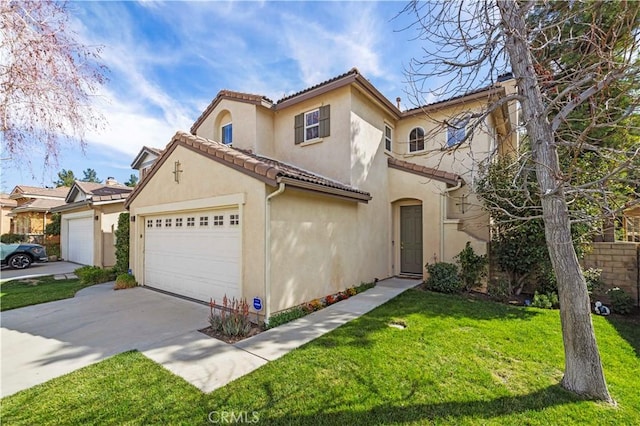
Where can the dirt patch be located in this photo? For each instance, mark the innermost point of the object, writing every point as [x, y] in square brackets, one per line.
[231, 339]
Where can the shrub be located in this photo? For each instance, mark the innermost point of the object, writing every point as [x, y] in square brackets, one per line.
[122, 244]
[621, 302]
[53, 227]
[125, 281]
[594, 280]
[545, 301]
[12, 238]
[286, 316]
[473, 267]
[53, 249]
[232, 318]
[499, 289]
[444, 278]
[352, 291]
[94, 275]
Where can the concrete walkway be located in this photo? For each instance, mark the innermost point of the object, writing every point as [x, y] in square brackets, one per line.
[208, 363]
[41, 342]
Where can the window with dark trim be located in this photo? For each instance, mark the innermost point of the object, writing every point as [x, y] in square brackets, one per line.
[234, 219]
[178, 222]
[158, 223]
[204, 220]
[312, 124]
[149, 223]
[218, 220]
[416, 139]
[387, 137]
[191, 221]
[167, 223]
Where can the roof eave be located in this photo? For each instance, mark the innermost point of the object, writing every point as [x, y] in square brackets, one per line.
[326, 190]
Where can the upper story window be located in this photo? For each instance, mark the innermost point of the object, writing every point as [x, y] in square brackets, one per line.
[387, 137]
[416, 139]
[457, 132]
[227, 134]
[312, 124]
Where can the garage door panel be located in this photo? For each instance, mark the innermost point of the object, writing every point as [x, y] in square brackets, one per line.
[80, 240]
[200, 261]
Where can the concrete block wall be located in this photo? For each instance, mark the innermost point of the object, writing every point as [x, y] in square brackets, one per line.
[619, 264]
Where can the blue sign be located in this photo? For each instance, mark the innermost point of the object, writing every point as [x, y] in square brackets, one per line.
[257, 303]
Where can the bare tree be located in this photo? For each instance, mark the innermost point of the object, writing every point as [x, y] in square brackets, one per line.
[47, 78]
[567, 107]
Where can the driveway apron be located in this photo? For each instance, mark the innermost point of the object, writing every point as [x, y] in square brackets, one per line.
[40, 342]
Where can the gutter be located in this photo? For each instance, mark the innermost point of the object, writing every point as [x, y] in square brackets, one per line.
[267, 250]
[443, 214]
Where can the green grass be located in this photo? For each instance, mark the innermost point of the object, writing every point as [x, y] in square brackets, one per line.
[458, 362]
[20, 293]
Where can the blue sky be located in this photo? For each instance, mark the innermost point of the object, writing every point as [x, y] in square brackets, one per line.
[168, 60]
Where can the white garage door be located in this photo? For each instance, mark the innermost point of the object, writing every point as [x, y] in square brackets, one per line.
[80, 241]
[195, 254]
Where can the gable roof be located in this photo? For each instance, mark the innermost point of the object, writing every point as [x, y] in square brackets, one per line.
[24, 191]
[428, 172]
[236, 96]
[97, 191]
[146, 150]
[267, 170]
[38, 205]
[5, 201]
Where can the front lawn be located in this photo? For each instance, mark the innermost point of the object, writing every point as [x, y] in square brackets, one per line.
[20, 293]
[458, 361]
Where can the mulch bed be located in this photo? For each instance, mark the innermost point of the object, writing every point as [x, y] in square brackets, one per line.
[231, 339]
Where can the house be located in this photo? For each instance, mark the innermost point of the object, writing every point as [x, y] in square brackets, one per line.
[283, 202]
[6, 205]
[33, 209]
[88, 219]
[144, 160]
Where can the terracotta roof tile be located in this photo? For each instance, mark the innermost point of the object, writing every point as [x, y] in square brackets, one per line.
[442, 176]
[263, 168]
[352, 71]
[229, 94]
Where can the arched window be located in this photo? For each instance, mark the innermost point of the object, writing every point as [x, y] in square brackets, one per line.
[416, 139]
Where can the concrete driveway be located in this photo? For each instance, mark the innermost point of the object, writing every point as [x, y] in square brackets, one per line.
[38, 270]
[41, 342]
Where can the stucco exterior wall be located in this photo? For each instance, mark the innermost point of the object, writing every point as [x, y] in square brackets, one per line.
[104, 249]
[203, 183]
[329, 156]
[244, 118]
[317, 248]
[5, 220]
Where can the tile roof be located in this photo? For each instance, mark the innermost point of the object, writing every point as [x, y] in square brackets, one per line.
[229, 94]
[38, 205]
[353, 71]
[24, 191]
[490, 90]
[265, 169]
[447, 177]
[5, 201]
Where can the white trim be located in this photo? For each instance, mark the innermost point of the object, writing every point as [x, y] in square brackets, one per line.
[199, 204]
[384, 136]
[78, 215]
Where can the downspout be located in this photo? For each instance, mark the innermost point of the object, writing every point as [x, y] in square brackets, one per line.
[267, 250]
[443, 214]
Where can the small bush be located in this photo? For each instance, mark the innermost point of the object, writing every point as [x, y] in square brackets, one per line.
[621, 302]
[12, 238]
[499, 289]
[53, 249]
[473, 267]
[125, 281]
[286, 316]
[330, 300]
[352, 291]
[232, 318]
[594, 280]
[444, 278]
[545, 301]
[94, 275]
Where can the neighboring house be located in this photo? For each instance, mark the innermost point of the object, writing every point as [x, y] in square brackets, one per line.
[33, 210]
[144, 160]
[6, 205]
[88, 220]
[631, 224]
[293, 200]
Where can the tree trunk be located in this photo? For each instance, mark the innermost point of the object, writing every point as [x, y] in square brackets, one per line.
[583, 369]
